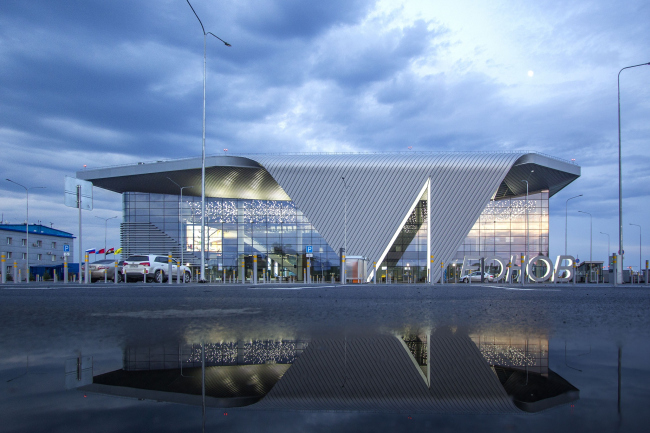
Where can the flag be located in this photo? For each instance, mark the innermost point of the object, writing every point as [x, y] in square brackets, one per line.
[90, 251]
[101, 251]
[110, 251]
[119, 250]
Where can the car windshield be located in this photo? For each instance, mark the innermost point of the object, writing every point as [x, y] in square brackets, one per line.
[137, 259]
[102, 262]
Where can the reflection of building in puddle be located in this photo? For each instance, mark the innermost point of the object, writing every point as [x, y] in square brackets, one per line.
[237, 373]
[518, 353]
[521, 364]
[435, 373]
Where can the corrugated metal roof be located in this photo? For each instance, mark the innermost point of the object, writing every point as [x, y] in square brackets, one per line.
[377, 374]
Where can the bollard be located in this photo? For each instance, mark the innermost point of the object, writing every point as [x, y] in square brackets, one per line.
[646, 272]
[144, 276]
[3, 269]
[105, 276]
[86, 270]
[431, 270]
[442, 273]
[575, 273]
[509, 274]
[20, 277]
[169, 269]
[115, 272]
[224, 277]
[15, 272]
[178, 273]
[523, 270]
[65, 269]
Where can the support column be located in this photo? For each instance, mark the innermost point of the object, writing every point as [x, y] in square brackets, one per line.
[374, 276]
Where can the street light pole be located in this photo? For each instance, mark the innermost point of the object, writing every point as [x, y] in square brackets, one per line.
[522, 265]
[105, 230]
[639, 245]
[26, 227]
[590, 231]
[180, 216]
[608, 250]
[566, 219]
[619, 264]
[345, 233]
[205, 34]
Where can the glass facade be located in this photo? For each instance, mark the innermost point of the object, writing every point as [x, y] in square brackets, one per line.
[236, 229]
[500, 231]
[277, 232]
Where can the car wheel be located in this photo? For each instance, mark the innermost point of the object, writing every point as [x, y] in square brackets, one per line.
[159, 277]
[187, 277]
[119, 277]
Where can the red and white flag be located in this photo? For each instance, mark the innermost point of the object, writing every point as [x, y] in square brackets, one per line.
[110, 251]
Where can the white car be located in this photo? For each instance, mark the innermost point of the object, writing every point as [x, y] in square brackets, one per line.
[476, 277]
[155, 267]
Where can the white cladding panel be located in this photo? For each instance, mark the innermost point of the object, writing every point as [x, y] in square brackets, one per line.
[382, 189]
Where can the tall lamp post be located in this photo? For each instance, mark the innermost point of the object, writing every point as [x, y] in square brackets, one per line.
[205, 34]
[619, 264]
[590, 231]
[180, 216]
[26, 226]
[639, 245]
[523, 269]
[345, 233]
[608, 250]
[566, 219]
[105, 229]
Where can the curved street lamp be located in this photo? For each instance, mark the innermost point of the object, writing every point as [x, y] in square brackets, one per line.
[180, 216]
[640, 230]
[619, 264]
[590, 231]
[26, 226]
[566, 219]
[608, 250]
[105, 229]
[205, 34]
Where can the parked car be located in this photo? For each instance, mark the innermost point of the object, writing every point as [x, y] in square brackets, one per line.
[155, 267]
[476, 277]
[98, 268]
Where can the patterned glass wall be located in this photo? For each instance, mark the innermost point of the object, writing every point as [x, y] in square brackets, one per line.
[501, 229]
[277, 232]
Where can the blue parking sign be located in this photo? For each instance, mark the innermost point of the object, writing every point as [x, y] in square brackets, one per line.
[309, 249]
[66, 248]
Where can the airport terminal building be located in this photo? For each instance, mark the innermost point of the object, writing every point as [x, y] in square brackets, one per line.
[395, 209]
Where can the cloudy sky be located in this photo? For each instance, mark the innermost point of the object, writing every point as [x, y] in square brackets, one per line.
[102, 83]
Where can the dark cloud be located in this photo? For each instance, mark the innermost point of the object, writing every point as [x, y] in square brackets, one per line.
[298, 19]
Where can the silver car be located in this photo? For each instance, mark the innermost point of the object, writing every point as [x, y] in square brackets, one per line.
[107, 266]
[476, 277]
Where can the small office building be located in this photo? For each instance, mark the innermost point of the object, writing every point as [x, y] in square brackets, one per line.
[46, 246]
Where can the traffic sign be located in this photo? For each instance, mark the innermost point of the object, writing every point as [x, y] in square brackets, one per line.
[309, 249]
[309, 255]
[66, 254]
[66, 248]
